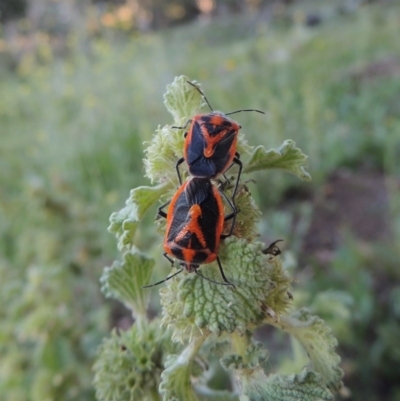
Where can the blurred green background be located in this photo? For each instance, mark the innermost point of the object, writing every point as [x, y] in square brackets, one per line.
[81, 87]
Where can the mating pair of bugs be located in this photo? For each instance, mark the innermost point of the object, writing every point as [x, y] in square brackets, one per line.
[195, 216]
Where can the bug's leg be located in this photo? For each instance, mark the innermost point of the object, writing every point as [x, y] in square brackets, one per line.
[237, 161]
[227, 182]
[161, 212]
[223, 274]
[166, 279]
[212, 281]
[230, 216]
[169, 259]
[178, 163]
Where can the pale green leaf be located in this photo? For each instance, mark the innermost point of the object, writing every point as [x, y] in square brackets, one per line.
[145, 197]
[182, 100]
[125, 222]
[191, 303]
[129, 363]
[164, 150]
[319, 342]
[255, 355]
[175, 379]
[336, 308]
[287, 157]
[124, 281]
[249, 365]
[306, 386]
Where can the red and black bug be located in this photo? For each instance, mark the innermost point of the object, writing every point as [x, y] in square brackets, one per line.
[195, 223]
[210, 144]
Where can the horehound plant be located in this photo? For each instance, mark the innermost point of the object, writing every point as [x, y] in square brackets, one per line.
[168, 357]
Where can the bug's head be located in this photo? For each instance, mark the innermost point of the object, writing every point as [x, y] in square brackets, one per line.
[190, 267]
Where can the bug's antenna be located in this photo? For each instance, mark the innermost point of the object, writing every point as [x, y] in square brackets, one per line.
[162, 281]
[238, 111]
[201, 93]
[209, 105]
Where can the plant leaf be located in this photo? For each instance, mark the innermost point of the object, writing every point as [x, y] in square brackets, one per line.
[124, 281]
[249, 366]
[129, 363]
[182, 100]
[164, 150]
[125, 222]
[319, 342]
[306, 386]
[175, 379]
[287, 157]
[192, 304]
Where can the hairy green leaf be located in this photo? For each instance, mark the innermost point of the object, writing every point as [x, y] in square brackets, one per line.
[129, 363]
[175, 379]
[191, 303]
[182, 100]
[124, 281]
[287, 157]
[249, 216]
[319, 342]
[306, 386]
[162, 154]
[125, 222]
[254, 356]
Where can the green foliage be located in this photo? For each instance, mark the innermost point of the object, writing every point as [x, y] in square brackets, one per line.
[304, 386]
[52, 318]
[71, 144]
[255, 355]
[319, 342]
[373, 321]
[249, 214]
[124, 281]
[251, 368]
[125, 222]
[130, 363]
[287, 157]
[176, 376]
[219, 309]
[198, 311]
[182, 101]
